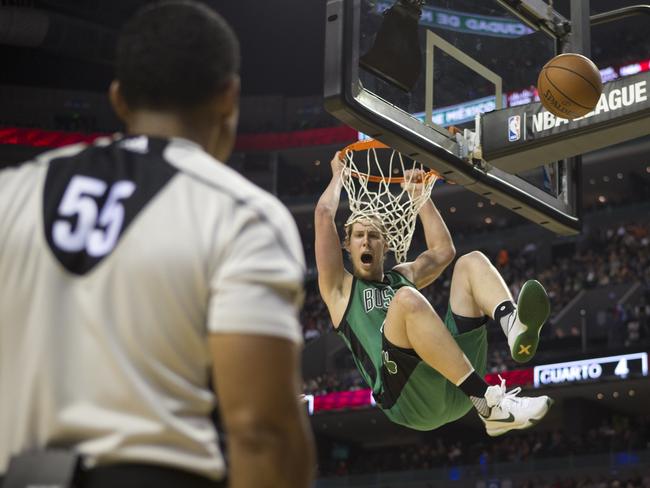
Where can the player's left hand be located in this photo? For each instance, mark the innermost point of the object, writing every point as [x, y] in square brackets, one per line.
[414, 182]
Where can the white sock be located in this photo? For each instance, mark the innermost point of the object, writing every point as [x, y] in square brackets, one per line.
[505, 314]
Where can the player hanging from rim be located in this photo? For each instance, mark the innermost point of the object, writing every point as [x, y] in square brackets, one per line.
[425, 372]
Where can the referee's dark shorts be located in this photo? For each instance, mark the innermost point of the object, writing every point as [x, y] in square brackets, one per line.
[139, 476]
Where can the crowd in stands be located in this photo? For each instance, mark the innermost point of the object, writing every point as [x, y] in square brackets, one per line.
[604, 257]
[346, 380]
[620, 435]
[635, 481]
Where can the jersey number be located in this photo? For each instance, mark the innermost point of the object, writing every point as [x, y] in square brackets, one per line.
[97, 230]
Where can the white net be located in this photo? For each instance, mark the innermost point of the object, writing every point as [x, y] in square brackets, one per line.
[375, 193]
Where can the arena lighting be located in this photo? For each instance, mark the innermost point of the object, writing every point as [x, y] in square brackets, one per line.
[309, 401]
[340, 400]
[395, 55]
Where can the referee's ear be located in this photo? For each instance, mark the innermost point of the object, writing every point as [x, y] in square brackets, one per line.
[118, 102]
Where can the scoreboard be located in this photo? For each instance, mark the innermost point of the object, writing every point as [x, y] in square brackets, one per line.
[610, 367]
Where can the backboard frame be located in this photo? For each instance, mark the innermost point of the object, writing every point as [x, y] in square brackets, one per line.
[346, 99]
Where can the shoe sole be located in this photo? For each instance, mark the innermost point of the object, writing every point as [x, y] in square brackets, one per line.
[533, 309]
[528, 425]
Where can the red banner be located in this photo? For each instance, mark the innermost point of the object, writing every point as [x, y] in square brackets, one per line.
[341, 135]
[43, 138]
[343, 400]
[517, 377]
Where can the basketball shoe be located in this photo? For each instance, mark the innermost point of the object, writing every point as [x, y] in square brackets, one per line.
[522, 329]
[510, 412]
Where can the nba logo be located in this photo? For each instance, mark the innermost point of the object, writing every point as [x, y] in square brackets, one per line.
[514, 128]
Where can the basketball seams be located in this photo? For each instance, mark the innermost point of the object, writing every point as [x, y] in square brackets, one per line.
[575, 73]
[562, 93]
[560, 90]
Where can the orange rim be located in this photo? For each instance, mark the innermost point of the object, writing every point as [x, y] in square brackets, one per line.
[375, 144]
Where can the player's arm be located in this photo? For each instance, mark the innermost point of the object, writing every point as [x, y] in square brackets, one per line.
[329, 256]
[440, 246]
[257, 383]
[255, 339]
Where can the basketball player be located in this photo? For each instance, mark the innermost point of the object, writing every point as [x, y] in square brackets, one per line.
[135, 269]
[425, 372]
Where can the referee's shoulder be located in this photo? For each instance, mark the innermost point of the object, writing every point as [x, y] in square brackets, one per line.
[203, 169]
[249, 200]
[31, 168]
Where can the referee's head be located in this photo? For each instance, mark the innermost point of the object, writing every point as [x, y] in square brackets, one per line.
[180, 59]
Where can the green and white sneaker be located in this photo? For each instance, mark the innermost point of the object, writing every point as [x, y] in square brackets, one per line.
[510, 412]
[533, 308]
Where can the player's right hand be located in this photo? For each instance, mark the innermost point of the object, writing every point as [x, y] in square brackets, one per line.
[337, 164]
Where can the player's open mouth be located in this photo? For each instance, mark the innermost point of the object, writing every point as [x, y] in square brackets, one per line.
[366, 258]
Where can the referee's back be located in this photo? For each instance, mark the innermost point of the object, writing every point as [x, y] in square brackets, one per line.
[117, 260]
[143, 283]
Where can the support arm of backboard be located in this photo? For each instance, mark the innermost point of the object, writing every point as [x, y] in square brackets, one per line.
[538, 15]
[620, 13]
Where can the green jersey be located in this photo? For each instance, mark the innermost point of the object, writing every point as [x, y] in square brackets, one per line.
[408, 390]
[362, 324]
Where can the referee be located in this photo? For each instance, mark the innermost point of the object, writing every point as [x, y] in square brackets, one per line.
[139, 276]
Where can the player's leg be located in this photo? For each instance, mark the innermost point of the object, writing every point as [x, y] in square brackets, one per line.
[412, 323]
[478, 289]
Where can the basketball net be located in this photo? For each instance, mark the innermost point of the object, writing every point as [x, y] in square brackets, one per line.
[387, 199]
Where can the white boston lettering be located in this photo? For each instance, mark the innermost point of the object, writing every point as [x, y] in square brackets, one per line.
[377, 298]
[368, 303]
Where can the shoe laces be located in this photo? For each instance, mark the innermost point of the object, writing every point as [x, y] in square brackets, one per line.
[496, 396]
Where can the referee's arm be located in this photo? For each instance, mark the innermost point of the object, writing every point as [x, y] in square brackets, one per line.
[268, 437]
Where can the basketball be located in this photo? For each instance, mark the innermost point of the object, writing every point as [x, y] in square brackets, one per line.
[569, 85]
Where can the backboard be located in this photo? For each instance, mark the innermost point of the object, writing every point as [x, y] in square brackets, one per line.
[478, 58]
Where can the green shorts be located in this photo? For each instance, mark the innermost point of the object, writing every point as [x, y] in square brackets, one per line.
[416, 395]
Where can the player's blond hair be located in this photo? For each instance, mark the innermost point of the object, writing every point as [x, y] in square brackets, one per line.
[372, 220]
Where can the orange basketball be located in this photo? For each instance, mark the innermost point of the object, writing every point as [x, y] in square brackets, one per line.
[569, 86]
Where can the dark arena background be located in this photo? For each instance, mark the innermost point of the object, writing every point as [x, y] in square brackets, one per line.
[593, 357]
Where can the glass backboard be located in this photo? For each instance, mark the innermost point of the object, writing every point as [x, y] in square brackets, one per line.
[477, 57]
